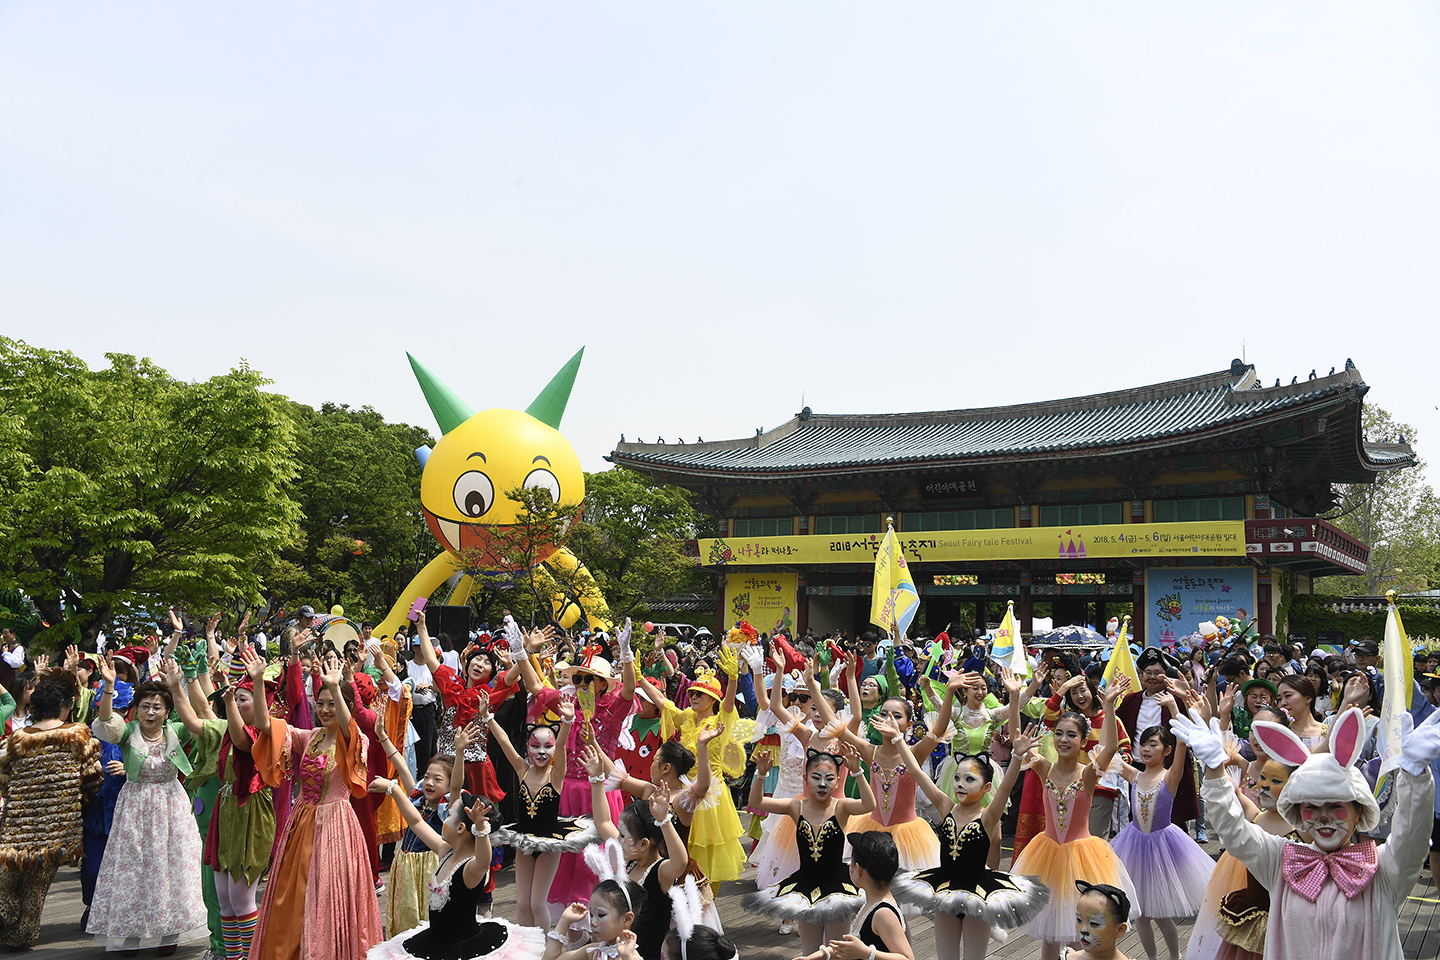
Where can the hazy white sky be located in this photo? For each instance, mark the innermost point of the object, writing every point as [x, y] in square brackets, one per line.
[883, 207]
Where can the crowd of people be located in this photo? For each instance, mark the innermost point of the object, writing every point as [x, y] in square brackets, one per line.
[287, 799]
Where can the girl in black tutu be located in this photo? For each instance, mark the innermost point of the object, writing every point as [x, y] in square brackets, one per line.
[967, 898]
[453, 933]
[539, 834]
[820, 892]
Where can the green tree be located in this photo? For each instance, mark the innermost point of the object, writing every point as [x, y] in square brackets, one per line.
[1398, 516]
[632, 537]
[359, 494]
[125, 485]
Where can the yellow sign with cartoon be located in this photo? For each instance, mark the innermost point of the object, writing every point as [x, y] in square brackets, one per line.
[764, 600]
[1218, 538]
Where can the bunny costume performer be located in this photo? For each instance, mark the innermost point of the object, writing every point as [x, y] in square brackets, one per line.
[1333, 899]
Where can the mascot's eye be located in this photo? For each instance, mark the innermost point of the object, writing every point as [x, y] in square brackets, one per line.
[474, 493]
[544, 480]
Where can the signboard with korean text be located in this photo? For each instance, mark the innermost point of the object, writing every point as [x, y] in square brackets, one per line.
[765, 600]
[1219, 538]
[1179, 599]
[957, 487]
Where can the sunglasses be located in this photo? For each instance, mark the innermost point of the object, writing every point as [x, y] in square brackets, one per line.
[584, 679]
[799, 698]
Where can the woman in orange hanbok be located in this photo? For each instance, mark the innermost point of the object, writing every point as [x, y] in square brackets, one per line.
[320, 899]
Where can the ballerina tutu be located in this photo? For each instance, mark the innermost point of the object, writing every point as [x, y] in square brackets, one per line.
[497, 939]
[1206, 938]
[1170, 871]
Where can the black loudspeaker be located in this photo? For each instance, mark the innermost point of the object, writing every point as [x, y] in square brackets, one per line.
[454, 622]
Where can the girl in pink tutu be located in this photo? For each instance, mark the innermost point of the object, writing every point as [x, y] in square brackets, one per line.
[1170, 871]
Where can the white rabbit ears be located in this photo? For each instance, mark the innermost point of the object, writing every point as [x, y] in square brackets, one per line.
[686, 901]
[1282, 745]
[1347, 737]
[689, 912]
[607, 861]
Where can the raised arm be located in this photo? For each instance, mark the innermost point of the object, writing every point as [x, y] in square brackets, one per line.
[255, 667]
[497, 735]
[1176, 770]
[678, 858]
[942, 803]
[397, 759]
[106, 669]
[990, 818]
[463, 738]
[425, 650]
[595, 768]
[701, 786]
[789, 806]
[417, 824]
[175, 679]
[566, 709]
[866, 802]
[330, 676]
[1110, 729]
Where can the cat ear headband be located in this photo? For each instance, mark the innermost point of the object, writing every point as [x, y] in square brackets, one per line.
[813, 754]
[607, 861]
[552, 727]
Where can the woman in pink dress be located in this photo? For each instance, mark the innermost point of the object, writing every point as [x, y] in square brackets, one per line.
[320, 899]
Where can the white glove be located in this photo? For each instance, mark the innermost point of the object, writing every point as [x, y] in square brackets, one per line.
[752, 656]
[623, 640]
[1207, 743]
[1420, 745]
[510, 630]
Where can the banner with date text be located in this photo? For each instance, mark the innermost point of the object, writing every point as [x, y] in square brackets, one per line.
[1219, 538]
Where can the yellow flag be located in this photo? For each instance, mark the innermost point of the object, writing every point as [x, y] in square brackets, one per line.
[894, 601]
[1399, 685]
[1121, 662]
[1008, 650]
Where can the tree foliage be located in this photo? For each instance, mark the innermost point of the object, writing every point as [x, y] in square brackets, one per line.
[125, 485]
[1398, 516]
[631, 539]
[360, 532]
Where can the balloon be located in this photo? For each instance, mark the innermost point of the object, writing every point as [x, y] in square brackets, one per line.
[649, 627]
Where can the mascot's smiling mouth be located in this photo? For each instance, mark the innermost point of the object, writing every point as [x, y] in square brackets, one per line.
[485, 546]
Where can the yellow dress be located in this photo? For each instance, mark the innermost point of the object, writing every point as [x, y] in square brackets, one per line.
[715, 831]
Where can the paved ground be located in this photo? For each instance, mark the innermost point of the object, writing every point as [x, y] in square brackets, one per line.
[757, 938]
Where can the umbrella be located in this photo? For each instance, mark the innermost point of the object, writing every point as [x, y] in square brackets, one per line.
[1071, 637]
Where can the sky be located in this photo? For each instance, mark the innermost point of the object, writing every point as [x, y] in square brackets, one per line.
[737, 209]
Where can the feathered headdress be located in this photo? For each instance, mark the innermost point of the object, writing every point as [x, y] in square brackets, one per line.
[689, 911]
[742, 633]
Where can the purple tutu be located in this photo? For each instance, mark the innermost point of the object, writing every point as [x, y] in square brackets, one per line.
[1170, 870]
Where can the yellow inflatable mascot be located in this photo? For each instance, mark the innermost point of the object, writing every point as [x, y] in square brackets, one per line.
[479, 459]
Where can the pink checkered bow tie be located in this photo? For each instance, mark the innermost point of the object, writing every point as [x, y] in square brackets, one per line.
[1306, 870]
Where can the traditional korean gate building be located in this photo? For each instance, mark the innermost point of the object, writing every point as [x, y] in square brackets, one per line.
[1186, 499]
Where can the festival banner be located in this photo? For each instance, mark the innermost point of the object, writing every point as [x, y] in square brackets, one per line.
[764, 600]
[1179, 599]
[1219, 538]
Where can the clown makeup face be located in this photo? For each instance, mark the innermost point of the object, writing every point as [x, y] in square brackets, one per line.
[971, 784]
[870, 692]
[1255, 698]
[1069, 738]
[607, 921]
[1095, 928]
[436, 783]
[824, 780]
[1330, 825]
[540, 747]
[631, 848]
[245, 703]
[1272, 779]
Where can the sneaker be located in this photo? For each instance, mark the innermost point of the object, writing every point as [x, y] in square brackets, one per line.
[1201, 836]
[786, 929]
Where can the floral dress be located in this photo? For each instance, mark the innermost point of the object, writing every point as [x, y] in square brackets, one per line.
[148, 893]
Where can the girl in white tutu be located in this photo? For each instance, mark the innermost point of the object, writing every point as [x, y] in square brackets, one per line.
[1170, 871]
[453, 932]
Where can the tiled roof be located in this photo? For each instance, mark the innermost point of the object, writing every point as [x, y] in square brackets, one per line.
[1127, 421]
